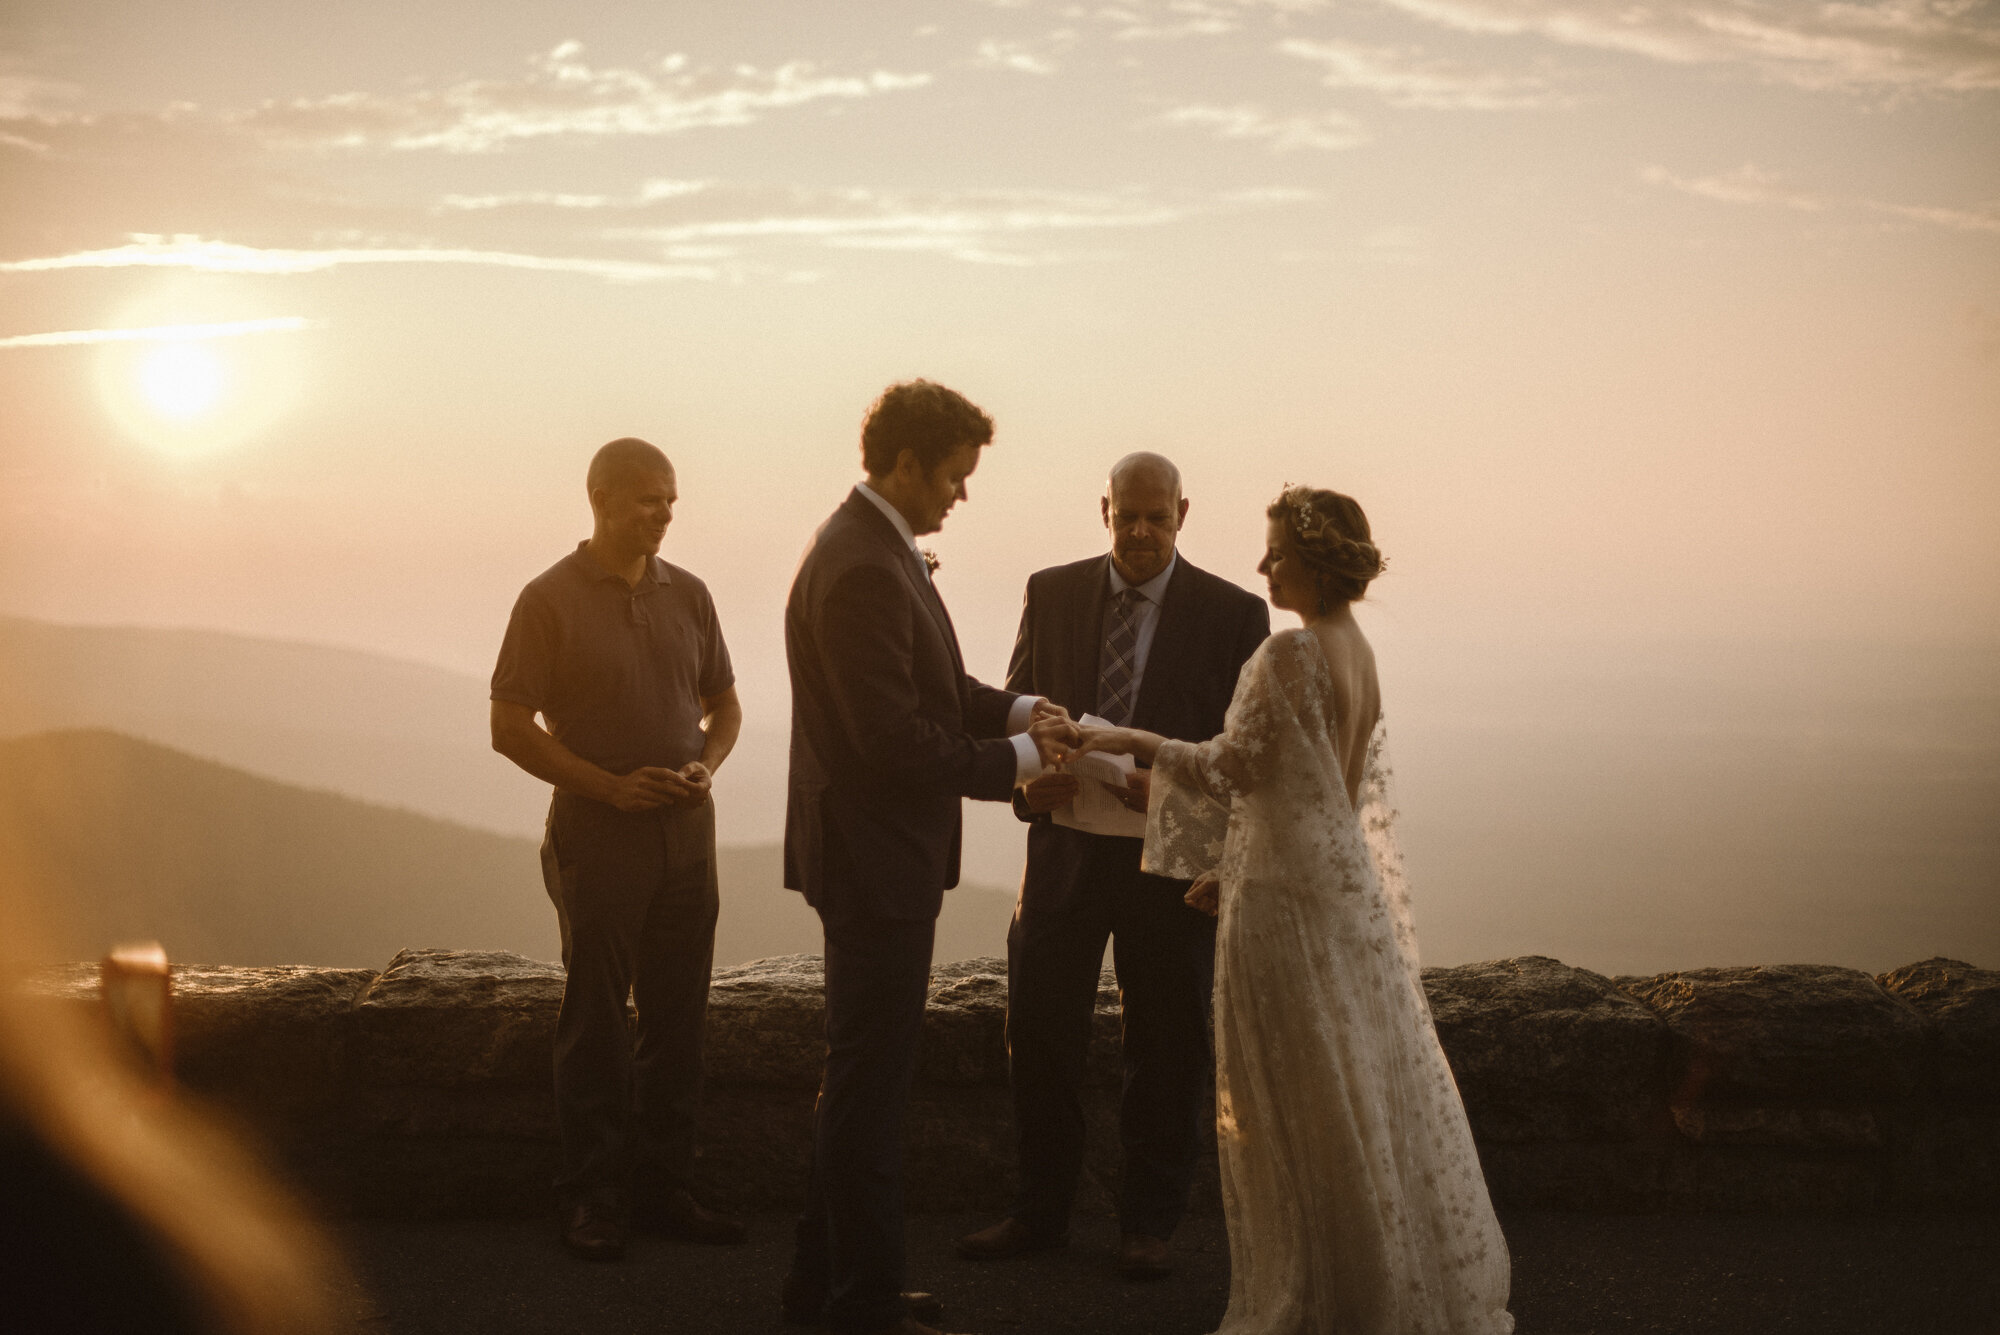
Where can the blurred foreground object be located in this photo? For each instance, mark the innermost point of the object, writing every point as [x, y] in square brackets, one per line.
[125, 1210]
[138, 990]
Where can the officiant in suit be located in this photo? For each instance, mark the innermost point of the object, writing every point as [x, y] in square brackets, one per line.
[889, 733]
[1140, 637]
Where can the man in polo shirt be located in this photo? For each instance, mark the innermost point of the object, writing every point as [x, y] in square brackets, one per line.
[621, 655]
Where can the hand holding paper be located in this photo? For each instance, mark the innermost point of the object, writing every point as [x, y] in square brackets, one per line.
[1101, 778]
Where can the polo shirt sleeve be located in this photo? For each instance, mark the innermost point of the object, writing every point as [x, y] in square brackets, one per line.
[716, 674]
[526, 667]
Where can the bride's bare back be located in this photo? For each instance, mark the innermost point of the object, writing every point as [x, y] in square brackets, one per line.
[1357, 696]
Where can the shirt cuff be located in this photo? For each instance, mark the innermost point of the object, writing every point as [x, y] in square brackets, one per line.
[1027, 758]
[1020, 712]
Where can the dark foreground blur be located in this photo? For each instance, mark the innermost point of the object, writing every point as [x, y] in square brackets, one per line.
[1574, 1274]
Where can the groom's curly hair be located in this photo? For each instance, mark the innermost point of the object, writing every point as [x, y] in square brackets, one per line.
[924, 417]
[1330, 533]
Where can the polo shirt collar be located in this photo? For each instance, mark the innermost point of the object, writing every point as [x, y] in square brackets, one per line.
[656, 569]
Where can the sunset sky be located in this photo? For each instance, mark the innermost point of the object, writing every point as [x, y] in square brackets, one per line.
[1630, 324]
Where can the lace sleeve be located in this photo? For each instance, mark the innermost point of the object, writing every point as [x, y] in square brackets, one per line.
[1196, 784]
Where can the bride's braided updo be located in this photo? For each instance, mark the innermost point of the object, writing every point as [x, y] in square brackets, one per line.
[1330, 534]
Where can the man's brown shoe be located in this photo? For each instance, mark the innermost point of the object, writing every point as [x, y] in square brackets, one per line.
[680, 1215]
[1143, 1257]
[1009, 1237]
[593, 1232]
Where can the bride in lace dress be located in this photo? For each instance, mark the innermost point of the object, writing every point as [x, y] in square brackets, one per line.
[1353, 1193]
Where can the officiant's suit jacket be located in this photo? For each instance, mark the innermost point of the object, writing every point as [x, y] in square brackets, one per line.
[1207, 630]
[888, 731]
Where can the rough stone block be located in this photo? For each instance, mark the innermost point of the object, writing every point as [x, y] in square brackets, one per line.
[1808, 1035]
[454, 1019]
[269, 1043]
[1545, 1052]
[1625, 1176]
[1807, 1128]
[74, 984]
[1946, 1156]
[959, 1149]
[767, 1023]
[1763, 1180]
[504, 1110]
[965, 1025]
[1962, 1004]
[755, 1145]
[404, 1177]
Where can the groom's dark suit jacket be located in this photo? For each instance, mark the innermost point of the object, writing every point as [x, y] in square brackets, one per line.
[888, 731]
[1207, 630]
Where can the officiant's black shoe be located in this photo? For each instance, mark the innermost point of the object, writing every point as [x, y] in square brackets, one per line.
[805, 1304]
[1009, 1237]
[593, 1232]
[679, 1215]
[1143, 1257]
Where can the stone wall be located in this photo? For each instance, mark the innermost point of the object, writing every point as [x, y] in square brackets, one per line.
[425, 1088]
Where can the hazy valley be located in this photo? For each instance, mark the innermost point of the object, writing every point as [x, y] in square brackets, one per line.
[1706, 808]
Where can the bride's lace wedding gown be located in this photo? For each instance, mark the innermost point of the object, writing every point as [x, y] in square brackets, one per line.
[1353, 1193]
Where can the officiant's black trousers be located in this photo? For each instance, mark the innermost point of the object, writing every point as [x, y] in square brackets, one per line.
[1164, 955]
[635, 895]
[850, 1238]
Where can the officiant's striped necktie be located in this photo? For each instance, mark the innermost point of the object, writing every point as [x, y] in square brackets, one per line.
[1121, 652]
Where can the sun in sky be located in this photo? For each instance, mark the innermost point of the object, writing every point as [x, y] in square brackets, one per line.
[182, 380]
[192, 389]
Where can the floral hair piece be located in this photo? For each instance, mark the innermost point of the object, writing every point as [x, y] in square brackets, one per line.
[1321, 542]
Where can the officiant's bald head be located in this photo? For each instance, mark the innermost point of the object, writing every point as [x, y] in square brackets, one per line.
[1143, 508]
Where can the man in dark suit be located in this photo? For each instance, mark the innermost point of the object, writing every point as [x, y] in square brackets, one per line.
[888, 734]
[1143, 638]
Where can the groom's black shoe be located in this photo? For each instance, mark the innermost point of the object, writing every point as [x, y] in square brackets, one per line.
[1010, 1237]
[805, 1304]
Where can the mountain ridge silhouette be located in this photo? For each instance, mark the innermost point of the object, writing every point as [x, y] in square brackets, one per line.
[129, 839]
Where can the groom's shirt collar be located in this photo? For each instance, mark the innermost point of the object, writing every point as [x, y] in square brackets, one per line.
[895, 516]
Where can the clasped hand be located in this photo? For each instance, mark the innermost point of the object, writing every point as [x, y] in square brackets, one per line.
[652, 786]
[1066, 740]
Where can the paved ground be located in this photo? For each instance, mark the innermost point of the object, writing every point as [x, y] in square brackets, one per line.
[1573, 1275]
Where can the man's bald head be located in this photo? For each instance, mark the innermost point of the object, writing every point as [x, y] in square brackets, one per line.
[1143, 468]
[1143, 507]
[623, 459]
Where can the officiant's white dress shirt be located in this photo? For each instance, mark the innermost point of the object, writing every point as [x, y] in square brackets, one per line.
[1027, 760]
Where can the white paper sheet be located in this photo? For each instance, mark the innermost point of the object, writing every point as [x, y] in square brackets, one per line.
[1096, 810]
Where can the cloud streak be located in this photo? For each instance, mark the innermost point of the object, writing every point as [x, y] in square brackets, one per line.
[192, 252]
[562, 96]
[649, 193]
[1409, 79]
[984, 227]
[1913, 46]
[1324, 130]
[1750, 185]
[987, 227]
[162, 333]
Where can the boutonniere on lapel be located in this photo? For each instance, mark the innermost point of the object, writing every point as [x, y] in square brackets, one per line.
[931, 562]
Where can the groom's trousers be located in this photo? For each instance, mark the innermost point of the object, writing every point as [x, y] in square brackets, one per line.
[635, 896]
[1164, 955]
[850, 1238]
